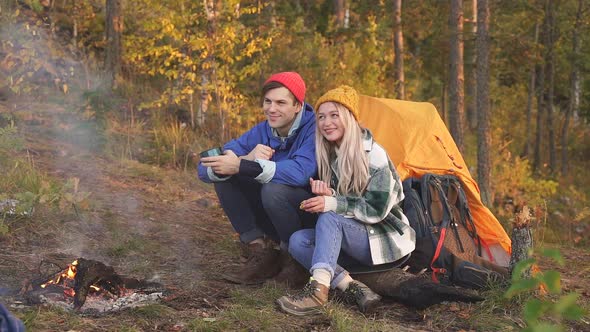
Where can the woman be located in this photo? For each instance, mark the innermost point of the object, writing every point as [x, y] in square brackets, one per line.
[358, 197]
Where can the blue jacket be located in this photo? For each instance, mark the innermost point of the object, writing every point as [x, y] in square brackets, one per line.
[293, 162]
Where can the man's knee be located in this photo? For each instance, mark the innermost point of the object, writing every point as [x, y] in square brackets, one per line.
[220, 186]
[276, 192]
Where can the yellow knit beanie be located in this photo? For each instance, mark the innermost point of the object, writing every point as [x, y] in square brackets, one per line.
[344, 95]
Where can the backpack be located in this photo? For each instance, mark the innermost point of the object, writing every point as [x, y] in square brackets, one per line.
[446, 237]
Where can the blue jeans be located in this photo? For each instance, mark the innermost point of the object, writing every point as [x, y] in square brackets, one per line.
[335, 242]
[256, 210]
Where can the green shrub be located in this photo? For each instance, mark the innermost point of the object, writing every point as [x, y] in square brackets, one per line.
[543, 313]
[515, 184]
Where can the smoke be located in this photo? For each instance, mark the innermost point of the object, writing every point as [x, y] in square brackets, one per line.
[49, 81]
[64, 103]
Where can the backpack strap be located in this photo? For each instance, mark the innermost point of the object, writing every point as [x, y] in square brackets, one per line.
[466, 215]
[452, 198]
[434, 182]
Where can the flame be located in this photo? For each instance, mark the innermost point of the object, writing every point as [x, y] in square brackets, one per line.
[68, 274]
[66, 280]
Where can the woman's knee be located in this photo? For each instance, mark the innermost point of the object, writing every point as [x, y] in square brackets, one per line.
[302, 240]
[328, 220]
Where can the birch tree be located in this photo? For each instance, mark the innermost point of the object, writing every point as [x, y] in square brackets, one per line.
[575, 87]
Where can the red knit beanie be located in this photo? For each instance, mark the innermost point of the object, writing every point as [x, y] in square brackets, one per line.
[292, 81]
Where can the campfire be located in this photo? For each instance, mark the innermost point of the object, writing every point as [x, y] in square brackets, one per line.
[95, 286]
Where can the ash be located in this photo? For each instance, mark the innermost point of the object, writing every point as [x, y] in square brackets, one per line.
[101, 305]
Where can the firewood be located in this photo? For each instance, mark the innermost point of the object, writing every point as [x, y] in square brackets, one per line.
[90, 272]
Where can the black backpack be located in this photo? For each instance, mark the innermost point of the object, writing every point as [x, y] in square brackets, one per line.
[446, 237]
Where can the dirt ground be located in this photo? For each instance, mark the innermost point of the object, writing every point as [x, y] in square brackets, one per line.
[166, 226]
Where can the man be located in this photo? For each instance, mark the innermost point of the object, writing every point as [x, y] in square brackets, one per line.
[262, 178]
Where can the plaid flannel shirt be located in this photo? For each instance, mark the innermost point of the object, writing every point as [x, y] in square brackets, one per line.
[390, 236]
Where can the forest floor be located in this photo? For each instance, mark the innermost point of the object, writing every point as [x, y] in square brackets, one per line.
[166, 226]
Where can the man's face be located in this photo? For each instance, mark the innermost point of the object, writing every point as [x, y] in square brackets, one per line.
[280, 109]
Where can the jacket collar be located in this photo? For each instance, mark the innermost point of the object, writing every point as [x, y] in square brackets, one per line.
[367, 140]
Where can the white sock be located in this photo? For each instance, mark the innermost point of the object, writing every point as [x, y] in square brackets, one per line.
[343, 284]
[322, 276]
[258, 241]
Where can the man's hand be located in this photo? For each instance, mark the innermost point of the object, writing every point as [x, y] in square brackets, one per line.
[319, 187]
[261, 151]
[313, 205]
[228, 164]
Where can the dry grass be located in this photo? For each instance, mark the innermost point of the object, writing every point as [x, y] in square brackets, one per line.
[163, 224]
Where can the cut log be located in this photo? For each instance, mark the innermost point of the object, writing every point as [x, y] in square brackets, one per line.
[522, 239]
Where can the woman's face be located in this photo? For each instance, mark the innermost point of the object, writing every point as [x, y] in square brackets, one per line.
[330, 123]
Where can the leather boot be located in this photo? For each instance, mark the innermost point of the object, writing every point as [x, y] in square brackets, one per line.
[244, 252]
[362, 295]
[292, 273]
[262, 263]
[309, 301]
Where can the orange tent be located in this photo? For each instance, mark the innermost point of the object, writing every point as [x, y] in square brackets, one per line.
[418, 142]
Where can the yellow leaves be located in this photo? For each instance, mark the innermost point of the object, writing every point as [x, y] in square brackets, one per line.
[188, 90]
[167, 26]
[191, 76]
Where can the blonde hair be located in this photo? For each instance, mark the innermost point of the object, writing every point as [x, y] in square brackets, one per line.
[353, 163]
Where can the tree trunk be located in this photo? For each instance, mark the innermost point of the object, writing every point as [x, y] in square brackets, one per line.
[575, 91]
[207, 63]
[456, 76]
[484, 136]
[470, 98]
[113, 29]
[339, 11]
[398, 48]
[541, 103]
[551, 81]
[443, 107]
[204, 100]
[529, 104]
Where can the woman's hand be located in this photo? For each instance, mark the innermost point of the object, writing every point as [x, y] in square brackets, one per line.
[319, 187]
[314, 204]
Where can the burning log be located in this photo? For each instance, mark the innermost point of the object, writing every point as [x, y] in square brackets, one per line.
[83, 278]
[96, 275]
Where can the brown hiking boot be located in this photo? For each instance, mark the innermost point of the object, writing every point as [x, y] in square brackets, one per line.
[362, 295]
[262, 263]
[292, 273]
[244, 252]
[309, 301]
